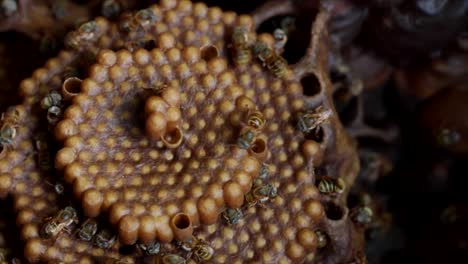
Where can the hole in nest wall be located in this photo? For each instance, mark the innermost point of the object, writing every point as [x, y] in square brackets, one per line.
[209, 52]
[310, 85]
[333, 211]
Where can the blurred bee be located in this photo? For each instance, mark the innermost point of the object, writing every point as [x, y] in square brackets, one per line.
[88, 229]
[256, 120]
[54, 98]
[139, 21]
[61, 221]
[281, 38]
[59, 9]
[264, 172]
[111, 8]
[59, 188]
[260, 193]
[454, 213]
[330, 186]
[54, 114]
[240, 42]
[275, 63]
[313, 119]
[362, 215]
[168, 259]
[232, 216]
[10, 121]
[447, 137]
[44, 158]
[86, 33]
[8, 7]
[158, 88]
[105, 238]
[321, 239]
[146, 42]
[246, 138]
[109, 260]
[4, 253]
[198, 249]
[151, 248]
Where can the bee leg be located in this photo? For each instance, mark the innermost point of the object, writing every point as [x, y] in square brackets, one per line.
[262, 205]
[67, 230]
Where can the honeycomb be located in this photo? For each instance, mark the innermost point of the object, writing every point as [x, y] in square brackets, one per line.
[149, 137]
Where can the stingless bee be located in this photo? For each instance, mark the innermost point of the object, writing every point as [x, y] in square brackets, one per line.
[10, 121]
[198, 249]
[255, 123]
[321, 239]
[447, 137]
[260, 194]
[256, 120]
[158, 88]
[61, 221]
[232, 216]
[110, 260]
[4, 252]
[362, 215]
[240, 42]
[280, 37]
[111, 8]
[264, 172]
[169, 259]
[246, 138]
[105, 238]
[152, 248]
[274, 62]
[86, 33]
[43, 153]
[54, 98]
[313, 119]
[88, 229]
[146, 42]
[139, 21]
[331, 186]
[54, 114]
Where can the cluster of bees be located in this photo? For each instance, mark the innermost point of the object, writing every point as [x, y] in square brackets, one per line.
[259, 194]
[10, 121]
[66, 219]
[243, 51]
[137, 24]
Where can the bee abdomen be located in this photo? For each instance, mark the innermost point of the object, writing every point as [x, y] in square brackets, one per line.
[329, 185]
